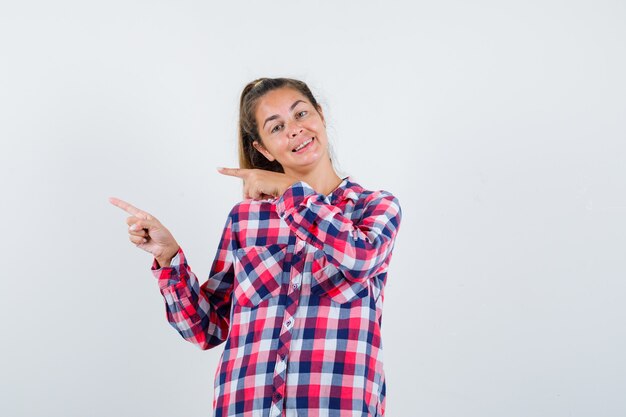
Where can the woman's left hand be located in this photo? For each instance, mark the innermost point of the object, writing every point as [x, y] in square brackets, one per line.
[260, 184]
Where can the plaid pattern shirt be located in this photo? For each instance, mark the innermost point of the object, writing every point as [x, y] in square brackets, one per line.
[296, 291]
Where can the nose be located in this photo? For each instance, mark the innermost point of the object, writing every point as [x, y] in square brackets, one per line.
[294, 130]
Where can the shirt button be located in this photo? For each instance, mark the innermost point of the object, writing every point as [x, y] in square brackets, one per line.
[295, 282]
[289, 323]
[277, 396]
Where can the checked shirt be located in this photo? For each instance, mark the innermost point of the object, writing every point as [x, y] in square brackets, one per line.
[296, 292]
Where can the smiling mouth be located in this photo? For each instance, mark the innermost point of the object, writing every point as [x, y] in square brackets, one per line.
[303, 145]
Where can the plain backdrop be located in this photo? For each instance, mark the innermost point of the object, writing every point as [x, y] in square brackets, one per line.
[499, 125]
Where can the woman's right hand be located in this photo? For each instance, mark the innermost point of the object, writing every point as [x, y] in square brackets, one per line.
[147, 233]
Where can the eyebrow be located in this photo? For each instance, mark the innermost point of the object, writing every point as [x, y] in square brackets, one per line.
[295, 103]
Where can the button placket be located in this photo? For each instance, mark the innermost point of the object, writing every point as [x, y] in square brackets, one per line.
[275, 412]
[282, 354]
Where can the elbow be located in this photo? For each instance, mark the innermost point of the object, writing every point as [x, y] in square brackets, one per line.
[367, 262]
[209, 343]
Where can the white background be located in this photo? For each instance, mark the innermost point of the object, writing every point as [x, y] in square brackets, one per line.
[498, 125]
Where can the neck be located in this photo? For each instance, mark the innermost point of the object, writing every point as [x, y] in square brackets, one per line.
[323, 178]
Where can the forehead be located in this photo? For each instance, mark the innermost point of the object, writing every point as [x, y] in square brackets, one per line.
[277, 102]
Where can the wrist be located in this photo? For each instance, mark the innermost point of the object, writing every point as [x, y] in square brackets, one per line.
[289, 181]
[166, 258]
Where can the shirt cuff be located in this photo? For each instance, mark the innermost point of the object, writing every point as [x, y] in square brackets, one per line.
[293, 196]
[170, 275]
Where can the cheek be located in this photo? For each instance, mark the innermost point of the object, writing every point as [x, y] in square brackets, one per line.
[277, 145]
[316, 127]
[320, 132]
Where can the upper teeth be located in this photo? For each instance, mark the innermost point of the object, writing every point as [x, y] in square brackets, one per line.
[303, 144]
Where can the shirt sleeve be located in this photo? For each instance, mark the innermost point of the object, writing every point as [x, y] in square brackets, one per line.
[201, 314]
[359, 249]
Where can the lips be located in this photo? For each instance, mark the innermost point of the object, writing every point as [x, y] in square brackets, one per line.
[303, 144]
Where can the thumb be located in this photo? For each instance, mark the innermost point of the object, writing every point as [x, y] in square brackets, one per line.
[144, 224]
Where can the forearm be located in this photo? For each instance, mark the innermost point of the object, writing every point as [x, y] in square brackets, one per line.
[360, 248]
[194, 315]
[198, 313]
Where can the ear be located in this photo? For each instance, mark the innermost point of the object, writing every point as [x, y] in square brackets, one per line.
[259, 147]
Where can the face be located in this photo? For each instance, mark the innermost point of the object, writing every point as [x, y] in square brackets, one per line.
[292, 130]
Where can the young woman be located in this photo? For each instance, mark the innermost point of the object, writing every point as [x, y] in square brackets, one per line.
[296, 287]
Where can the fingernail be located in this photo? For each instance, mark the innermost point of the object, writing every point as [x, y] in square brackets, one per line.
[145, 240]
[133, 227]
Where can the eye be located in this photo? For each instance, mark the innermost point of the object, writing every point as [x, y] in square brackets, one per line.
[275, 128]
[302, 113]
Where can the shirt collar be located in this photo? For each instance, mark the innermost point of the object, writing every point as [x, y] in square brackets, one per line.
[346, 190]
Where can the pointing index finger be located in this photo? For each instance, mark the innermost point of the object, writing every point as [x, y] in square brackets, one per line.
[234, 172]
[129, 208]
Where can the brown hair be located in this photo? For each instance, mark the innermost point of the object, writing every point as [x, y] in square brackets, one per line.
[249, 157]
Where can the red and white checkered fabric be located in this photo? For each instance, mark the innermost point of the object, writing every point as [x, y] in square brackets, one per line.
[296, 290]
